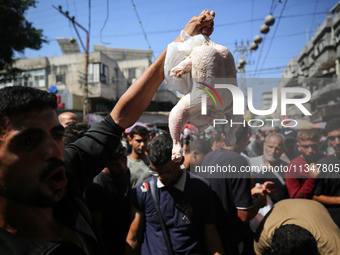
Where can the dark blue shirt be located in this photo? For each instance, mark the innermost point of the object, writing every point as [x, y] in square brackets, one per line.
[185, 214]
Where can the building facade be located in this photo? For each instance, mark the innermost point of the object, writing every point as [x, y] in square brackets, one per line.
[110, 73]
[316, 68]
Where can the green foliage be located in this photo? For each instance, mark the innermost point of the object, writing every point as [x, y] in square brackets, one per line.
[16, 32]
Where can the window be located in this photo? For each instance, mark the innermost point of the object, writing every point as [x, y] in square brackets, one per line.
[61, 79]
[320, 47]
[60, 74]
[98, 72]
[33, 78]
[104, 74]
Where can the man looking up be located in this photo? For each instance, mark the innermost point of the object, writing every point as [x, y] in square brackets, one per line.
[41, 207]
[138, 161]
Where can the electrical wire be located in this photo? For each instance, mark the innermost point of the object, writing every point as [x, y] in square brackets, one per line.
[141, 25]
[312, 24]
[107, 17]
[271, 41]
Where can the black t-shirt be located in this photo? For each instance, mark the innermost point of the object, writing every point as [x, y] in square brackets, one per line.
[328, 184]
[110, 196]
[231, 193]
[84, 160]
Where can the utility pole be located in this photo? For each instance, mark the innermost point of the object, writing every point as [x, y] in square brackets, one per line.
[74, 23]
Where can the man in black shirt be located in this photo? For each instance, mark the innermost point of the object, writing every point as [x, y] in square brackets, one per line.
[108, 200]
[233, 195]
[327, 189]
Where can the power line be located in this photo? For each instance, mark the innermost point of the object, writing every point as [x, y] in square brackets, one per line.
[316, 4]
[141, 25]
[107, 17]
[271, 41]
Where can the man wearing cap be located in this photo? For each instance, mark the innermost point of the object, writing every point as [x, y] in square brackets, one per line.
[290, 152]
[298, 180]
[108, 201]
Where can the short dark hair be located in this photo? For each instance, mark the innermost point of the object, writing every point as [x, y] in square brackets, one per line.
[200, 145]
[160, 149]
[333, 124]
[119, 151]
[74, 131]
[18, 99]
[138, 130]
[242, 132]
[291, 239]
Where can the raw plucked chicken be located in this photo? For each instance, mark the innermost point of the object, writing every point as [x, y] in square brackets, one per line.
[196, 63]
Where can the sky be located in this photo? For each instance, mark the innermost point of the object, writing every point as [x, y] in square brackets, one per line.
[115, 23]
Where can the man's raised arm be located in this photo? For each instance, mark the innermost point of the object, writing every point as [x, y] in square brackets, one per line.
[136, 99]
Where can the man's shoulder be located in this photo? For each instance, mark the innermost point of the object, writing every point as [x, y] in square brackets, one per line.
[298, 161]
[256, 160]
[144, 185]
[12, 244]
[195, 179]
[329, 160]
[224, 155]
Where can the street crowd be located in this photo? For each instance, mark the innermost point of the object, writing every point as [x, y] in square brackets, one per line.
[70, 188]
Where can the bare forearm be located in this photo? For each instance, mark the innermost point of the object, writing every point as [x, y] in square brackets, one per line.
[326, 200]
[213, 241]
[131, 247]
[249, 214]
[137, 98]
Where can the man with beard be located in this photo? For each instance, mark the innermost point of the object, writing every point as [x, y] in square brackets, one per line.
[327, 189]
[41, 183]
[299, 182]
[138, 161]
[269, 166]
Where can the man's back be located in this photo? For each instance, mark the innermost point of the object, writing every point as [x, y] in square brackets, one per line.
[305, 213]
[232, 192]
[109, 197]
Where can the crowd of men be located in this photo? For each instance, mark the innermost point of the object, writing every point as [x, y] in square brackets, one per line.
[72, 189]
